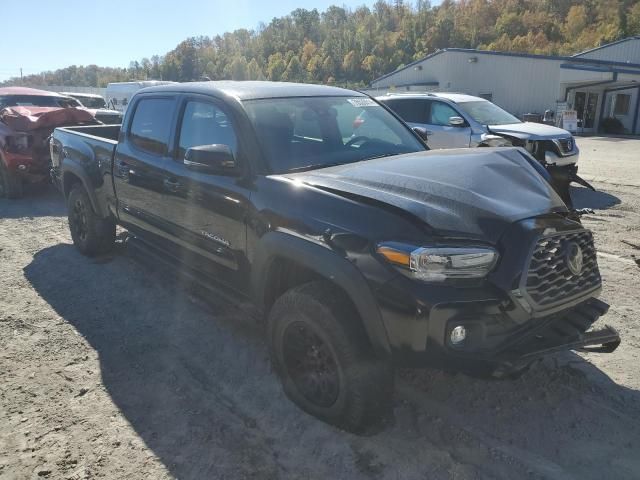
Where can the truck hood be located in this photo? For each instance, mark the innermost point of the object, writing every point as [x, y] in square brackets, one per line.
[470, 193]
[530, 131]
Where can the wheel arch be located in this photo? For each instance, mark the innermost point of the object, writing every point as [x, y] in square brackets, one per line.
[311, 261]
[73, 174]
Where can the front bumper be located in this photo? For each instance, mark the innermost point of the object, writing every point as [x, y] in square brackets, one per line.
[495, 344]
[507, 325]
[30, 167]
[569, 331]
[552, 158]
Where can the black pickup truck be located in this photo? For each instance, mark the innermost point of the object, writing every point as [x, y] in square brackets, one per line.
[363, 252]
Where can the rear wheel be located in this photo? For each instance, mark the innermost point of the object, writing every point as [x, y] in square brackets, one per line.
[10, 183]
[324, 360]
[91, 234]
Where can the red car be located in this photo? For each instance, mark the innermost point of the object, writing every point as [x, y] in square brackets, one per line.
[27, 119]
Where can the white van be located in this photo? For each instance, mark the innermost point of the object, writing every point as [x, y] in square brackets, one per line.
[119, 93]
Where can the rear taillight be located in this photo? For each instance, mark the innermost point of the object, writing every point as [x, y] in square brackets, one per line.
[55, 150]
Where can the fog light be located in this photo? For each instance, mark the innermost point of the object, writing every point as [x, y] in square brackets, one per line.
[458, 334]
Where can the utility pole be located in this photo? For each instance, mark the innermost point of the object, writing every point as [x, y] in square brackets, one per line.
[20, 75]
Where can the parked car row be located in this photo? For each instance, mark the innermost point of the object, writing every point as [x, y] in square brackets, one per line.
[363, 250]
[27, 119]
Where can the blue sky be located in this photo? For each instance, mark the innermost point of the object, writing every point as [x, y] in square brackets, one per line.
[56, 34]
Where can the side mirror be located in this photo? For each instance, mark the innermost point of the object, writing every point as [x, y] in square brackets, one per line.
[422, 132]
[214, 158]
[457, 121]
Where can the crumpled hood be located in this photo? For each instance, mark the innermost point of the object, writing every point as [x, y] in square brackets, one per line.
[530, 131]
[25, 119]
[474, 193]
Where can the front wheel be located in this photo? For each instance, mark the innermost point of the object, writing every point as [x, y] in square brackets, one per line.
[91, 234]
[324, 359]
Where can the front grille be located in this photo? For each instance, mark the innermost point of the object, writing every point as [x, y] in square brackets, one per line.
[565, 145]
[550, 279]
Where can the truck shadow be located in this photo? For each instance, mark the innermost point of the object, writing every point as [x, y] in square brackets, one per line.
[193, 379]
[599, 200]
[38, 201]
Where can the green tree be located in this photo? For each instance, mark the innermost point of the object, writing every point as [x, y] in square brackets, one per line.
[351, 65]
[633, 20]
[294, 72]
[510, 24]
[254, 72]
[238, 68]
[576, 21]
[314, 68]
[276, 67]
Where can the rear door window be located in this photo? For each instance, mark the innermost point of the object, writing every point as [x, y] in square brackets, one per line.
[151, 125]
[411, 110]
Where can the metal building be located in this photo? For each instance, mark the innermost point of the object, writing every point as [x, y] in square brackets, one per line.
[600, 83]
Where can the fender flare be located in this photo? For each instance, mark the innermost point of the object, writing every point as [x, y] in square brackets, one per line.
[68, 166]
[328, 264]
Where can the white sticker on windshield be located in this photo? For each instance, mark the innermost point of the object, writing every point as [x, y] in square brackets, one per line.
[362, 102]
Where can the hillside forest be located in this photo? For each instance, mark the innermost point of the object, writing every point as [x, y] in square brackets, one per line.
[353, 47]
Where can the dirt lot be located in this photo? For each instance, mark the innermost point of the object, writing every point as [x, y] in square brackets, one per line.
[113, 369]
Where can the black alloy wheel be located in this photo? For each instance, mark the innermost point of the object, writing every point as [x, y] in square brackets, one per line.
[311, 365]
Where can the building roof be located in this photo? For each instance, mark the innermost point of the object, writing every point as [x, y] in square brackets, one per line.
[26, 91]
[473, 51]
[573, 59]
[250, 90]
[607, 45]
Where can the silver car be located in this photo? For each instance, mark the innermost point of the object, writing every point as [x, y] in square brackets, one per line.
[453, 120]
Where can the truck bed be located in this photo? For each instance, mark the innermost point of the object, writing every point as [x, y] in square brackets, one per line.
[86, 149]
[100, 132]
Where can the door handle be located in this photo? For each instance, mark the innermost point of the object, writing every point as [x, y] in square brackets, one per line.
[171, 184]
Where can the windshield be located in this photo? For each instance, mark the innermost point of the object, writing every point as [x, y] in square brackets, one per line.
[487, 113]
[315, 132]
[37, 101]
[91, 102]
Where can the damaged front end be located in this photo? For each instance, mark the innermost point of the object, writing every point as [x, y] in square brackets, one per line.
[566, 331]
[558, 157]
[558, 291]
[25, 136]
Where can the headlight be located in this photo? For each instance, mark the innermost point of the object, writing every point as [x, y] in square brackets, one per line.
[494, 140]
[437, 264]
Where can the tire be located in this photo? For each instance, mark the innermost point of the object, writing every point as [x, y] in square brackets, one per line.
[91, 234]
[322, 355]
[10, 184]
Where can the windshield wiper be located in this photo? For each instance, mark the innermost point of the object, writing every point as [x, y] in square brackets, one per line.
[337, 164]
[316, 165]
[383, 155]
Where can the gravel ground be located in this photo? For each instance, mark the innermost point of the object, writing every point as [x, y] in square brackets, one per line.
[113, 369]
[610, 160]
